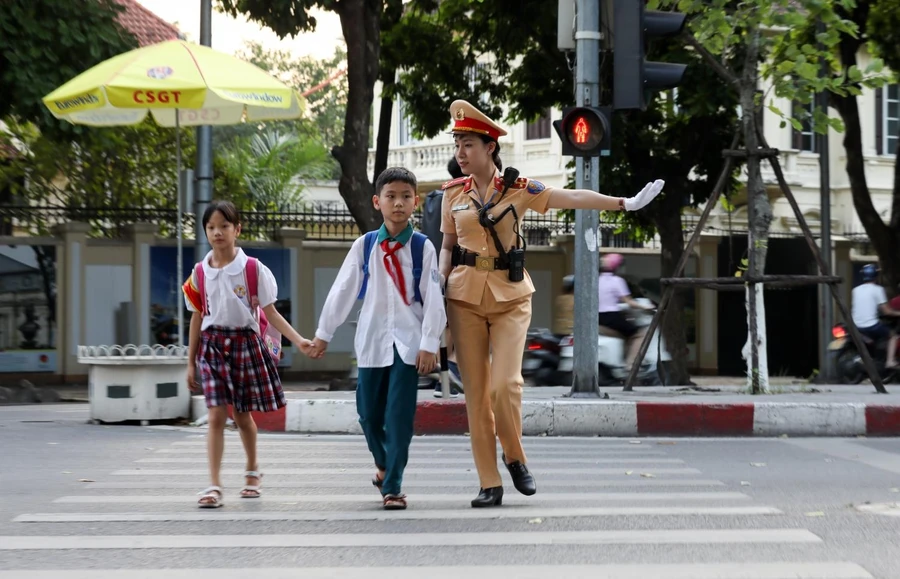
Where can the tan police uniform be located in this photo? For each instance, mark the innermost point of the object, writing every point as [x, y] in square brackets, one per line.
[489, 315]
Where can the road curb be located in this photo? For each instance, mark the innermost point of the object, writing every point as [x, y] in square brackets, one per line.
[607, 418]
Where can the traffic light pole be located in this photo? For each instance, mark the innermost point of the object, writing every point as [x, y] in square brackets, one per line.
[587, 175]
[204, 171]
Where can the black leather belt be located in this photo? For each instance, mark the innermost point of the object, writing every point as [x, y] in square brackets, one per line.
[480, 262]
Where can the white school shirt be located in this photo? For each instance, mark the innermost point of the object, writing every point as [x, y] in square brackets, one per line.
[865, 301]
[384, 319]
[227, 295]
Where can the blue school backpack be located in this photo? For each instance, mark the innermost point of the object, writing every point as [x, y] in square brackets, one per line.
[417, 246]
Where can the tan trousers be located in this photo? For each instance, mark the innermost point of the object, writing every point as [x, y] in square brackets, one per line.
[493, 384]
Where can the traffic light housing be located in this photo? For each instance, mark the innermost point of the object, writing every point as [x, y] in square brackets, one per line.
[634, 79]
[584, 131]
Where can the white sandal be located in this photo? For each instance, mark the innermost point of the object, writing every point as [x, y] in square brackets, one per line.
[257, 489]
[212, 498]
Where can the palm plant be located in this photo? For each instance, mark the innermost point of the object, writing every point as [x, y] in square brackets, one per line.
[268, 168]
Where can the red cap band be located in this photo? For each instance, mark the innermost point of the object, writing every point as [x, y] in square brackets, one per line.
[476, 126]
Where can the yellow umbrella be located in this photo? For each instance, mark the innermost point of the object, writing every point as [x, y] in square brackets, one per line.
[204, 86]
[180, 84]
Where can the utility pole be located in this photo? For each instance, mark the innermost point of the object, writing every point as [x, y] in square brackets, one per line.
[204, 169]
[587, 175]
[826, 370]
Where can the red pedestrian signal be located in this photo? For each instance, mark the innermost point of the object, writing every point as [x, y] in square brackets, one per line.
[584, 131]
[581, 131]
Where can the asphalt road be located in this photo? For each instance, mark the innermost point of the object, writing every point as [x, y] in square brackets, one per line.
[83, 501]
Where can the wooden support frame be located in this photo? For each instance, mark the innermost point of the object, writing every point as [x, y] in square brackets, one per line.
[825, 276]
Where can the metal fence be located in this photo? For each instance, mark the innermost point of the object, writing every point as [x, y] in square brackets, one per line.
[321, 221]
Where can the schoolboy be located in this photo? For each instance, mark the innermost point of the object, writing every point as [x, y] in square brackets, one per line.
[399, 327]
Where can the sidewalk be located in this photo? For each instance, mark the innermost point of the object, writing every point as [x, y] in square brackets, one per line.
[704, 410]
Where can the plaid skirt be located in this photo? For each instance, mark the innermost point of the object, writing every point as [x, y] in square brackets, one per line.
[235, 368]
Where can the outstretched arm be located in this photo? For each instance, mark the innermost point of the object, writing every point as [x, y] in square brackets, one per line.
[282, 325]
[586, 199]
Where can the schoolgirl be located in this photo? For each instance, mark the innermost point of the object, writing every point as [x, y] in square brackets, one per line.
[228, 360]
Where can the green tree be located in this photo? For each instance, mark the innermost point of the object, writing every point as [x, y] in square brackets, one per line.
[267, 168]
[361, 22]
[45, 43]
[722, 29]
[879, 23]
[107, 176]
[323, 83]
[439, 54]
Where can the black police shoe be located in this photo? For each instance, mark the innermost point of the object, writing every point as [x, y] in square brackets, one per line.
[523, 480]
[492, 497]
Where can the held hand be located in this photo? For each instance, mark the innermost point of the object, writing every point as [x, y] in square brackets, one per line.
[645, 196]
[426, 362]
[193, 385]
[306, 346]
[317, 348]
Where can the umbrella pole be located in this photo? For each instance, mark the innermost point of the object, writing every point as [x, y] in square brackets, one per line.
[179, 259]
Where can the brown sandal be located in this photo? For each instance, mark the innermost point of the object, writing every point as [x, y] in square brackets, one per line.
[394, 502]
[377, 481]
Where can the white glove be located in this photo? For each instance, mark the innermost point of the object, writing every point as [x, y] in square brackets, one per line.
[645, 196]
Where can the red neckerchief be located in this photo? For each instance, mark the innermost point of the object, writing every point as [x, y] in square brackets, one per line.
[392, 265]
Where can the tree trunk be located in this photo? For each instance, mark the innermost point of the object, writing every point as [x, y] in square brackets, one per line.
[383, 143]
[760, 217]
[885, 238]
[890, 260]
[360, 23]
[671, 235]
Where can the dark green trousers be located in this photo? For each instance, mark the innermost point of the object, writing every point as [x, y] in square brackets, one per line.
[386, 404]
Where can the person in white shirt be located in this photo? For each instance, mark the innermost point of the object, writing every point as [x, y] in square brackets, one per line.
[869, 303]
[399, 328]
[225, 348]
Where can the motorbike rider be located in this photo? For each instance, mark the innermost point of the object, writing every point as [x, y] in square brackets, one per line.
[613, 290]
[564, 322]
[869, 302]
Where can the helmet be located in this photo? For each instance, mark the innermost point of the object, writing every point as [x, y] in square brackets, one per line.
[869, 272]
[569, 283]
[611, 261]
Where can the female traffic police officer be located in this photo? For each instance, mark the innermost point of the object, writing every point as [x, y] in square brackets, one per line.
[489, 293]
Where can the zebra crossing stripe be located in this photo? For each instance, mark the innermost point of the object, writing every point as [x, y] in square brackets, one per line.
[421, 498]
[614, 537]
[409, 515]
[142, 472]
[413, 483]
[780, 570]
[415, 461]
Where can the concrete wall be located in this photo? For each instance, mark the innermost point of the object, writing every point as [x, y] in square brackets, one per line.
[96, 276]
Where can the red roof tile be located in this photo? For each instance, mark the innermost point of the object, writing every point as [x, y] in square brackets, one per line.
[146, 26]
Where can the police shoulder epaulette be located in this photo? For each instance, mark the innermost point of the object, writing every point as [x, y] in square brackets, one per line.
[454, 182]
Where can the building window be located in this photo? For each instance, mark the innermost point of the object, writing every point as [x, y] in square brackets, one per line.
[805, 138]
[539, 128]
[672, 102]
[887, 121]
[405, 136]
[474, 73]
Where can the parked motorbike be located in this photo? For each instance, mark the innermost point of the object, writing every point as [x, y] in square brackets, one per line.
[541, 361]
[848, 362]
